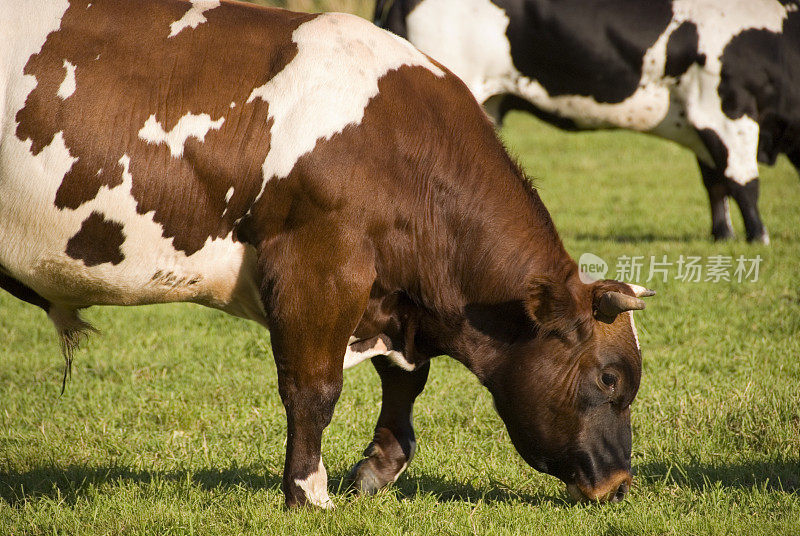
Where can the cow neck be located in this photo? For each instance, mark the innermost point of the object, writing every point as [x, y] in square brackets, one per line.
[498, 234]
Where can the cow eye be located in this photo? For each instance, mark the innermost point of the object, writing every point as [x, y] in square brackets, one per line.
[609, 380]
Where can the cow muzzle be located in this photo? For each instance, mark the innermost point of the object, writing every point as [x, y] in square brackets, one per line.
[612, 490]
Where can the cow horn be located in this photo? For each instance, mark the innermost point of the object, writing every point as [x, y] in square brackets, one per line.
[613, 303]
[641, 292]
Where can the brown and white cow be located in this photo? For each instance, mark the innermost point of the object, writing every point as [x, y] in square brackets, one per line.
[320, 176]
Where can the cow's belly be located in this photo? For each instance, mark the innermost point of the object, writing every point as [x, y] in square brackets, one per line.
[642, 111]
[105, 252]
[221, 275]
[488, 69]
[676, 127]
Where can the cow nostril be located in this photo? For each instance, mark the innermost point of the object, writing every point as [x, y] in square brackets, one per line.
[621, 491]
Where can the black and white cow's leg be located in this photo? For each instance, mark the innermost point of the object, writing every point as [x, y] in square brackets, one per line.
[794, 158]
[746, 196]
[393, 444]
[739, 181]
[732, 143]
[715, 183]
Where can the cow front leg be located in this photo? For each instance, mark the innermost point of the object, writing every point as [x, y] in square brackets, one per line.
[393, 444]
[310, 382]
[732, 144]
[715, 183]
[746, 196]
[745, 193]
[309, 407]
[312, 311]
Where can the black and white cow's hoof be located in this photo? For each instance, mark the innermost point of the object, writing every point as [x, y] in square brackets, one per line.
[722, 234]
[759, 238]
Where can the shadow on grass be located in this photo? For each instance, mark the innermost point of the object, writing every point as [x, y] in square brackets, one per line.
[779, 475]
[68, 484]
[451, 490]
[643, 238]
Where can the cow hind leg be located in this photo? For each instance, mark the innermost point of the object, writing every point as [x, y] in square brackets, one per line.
[393, 444]
[720, 188]
[731, 143]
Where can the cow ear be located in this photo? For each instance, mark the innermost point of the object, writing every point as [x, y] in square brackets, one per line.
[551, 305]
[610, 298]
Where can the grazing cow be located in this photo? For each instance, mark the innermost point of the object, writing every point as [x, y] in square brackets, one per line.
[303, 171]
[721, 77]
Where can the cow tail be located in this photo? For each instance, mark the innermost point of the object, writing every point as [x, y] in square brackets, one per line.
[72, 330]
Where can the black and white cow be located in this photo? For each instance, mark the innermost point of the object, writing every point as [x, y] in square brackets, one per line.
[721, 77]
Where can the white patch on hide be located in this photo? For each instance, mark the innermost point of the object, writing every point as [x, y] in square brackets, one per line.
[221, 274]
[717, 23]
[228, 196]
[468, 37]
[34, 235]
[34, 232]
[353, 358]
[633, 329]
[315, 487]
[399, 359]
[194, 17]
[67, 87]
[21, 36]
[328, 84]
[189, 126]
[676, 127]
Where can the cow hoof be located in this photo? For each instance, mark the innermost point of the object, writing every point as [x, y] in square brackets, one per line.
[291, 504]
[761, 238]
[370, 475]
[364, 478]
[722, 235]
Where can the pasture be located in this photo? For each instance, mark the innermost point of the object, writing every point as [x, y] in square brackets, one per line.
[172, 424]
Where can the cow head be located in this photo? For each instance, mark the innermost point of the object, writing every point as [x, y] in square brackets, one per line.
[565, 393]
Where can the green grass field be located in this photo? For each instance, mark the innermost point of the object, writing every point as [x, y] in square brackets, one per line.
[172, 423]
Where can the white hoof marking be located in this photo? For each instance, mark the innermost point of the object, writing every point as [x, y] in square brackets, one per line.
[315, 487]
